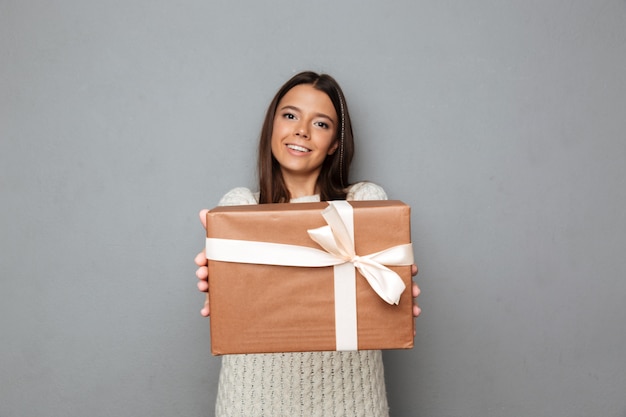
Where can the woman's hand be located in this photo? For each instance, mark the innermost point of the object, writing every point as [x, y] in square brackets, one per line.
[203, 271]
[415, 291]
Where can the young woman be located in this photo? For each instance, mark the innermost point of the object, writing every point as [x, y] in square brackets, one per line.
[304, 155]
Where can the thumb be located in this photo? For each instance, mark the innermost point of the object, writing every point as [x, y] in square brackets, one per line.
[202, 215]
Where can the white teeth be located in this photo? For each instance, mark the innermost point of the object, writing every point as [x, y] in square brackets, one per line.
[298, 148]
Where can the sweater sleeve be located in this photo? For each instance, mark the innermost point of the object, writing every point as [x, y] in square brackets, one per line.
[366, 191]
[238, 197]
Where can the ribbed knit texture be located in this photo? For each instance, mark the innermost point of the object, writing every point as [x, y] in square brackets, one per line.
[307, 384]
[303, 384]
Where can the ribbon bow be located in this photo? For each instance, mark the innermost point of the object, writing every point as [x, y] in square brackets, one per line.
[337, 238]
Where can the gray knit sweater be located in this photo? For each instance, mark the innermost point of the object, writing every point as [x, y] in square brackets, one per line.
[303, 384]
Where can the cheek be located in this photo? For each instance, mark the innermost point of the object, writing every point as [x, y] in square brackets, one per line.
[279, 130]
[331, 142]
[275, 142]
[333, 148]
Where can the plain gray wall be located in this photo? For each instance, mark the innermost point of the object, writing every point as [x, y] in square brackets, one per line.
[501, 123]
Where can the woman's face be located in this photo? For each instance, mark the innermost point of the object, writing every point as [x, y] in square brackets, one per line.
[304, 131]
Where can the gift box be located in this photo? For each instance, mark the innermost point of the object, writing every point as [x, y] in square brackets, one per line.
[310, 277]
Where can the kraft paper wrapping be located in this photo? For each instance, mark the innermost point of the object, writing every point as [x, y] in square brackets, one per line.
[271, 308]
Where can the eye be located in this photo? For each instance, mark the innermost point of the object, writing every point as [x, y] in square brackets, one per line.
[323, 125]
[289, 116]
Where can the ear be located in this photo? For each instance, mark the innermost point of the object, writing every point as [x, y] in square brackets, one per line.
[333, 148]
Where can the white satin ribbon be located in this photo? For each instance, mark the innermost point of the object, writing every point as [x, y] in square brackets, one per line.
[337, 240]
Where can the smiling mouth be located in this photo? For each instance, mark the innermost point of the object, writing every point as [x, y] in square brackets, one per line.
[298, 148]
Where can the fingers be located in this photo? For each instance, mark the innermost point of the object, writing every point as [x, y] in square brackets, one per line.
[416, 310]
[202, 215]
[414, 269]
[415, 291]
[200, 259]
[203, 271]
[203, 286]
[202, 274]
[205, 312]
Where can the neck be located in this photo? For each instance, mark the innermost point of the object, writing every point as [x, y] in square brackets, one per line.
[301, 186]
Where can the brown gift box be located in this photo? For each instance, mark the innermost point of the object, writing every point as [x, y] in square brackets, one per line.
[271, 308]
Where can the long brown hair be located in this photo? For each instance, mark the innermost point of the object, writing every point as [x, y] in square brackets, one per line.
[333, 179]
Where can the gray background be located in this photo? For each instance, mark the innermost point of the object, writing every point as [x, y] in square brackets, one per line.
[501, 123]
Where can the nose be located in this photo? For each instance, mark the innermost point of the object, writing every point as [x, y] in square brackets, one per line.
[302, 131]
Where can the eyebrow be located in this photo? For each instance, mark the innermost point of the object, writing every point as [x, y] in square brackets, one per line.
[290, 107]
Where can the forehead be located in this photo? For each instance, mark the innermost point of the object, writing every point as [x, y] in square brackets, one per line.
[307, 98]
